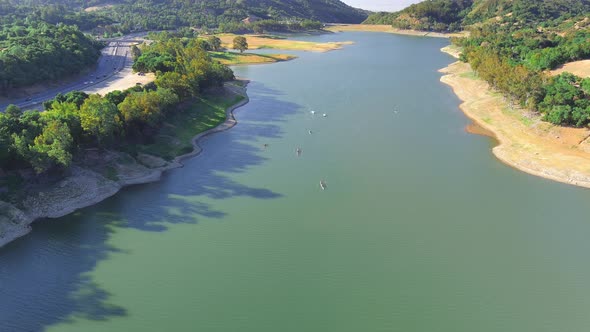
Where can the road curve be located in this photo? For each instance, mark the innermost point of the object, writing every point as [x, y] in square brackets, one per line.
[114, 58]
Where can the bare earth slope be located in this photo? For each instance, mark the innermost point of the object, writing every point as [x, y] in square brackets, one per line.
[525, 142]
[579, 68]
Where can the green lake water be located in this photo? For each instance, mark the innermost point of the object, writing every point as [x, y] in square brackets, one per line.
[420, 229]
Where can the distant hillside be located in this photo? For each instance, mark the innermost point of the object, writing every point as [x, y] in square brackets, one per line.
[452, 15]
[431, 15]
[527, 10]
[168, 14]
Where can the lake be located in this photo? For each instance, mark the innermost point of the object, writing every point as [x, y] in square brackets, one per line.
[420, 227]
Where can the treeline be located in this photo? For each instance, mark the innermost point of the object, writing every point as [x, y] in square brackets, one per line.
[125, 16]
[23, 12]
[514, 59]
[526, 11]
[172, 14]
[454, 15]
[563, 99]
[263, 26]
[51, 139]
[536, 48]
[430, 15]
[36, 51]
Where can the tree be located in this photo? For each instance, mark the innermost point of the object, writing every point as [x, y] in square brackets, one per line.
[258, 29]
[141, 109]
[176, 82]
[135, 52]
[52, 147]
[214, 43]
[137, 110]
[13, 111]
[68, 113]
[240, 43]
[116, 97]
[100, 118]
[12, 118]
[204, 44]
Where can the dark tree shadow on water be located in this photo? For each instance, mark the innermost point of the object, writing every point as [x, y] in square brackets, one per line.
[45, 276]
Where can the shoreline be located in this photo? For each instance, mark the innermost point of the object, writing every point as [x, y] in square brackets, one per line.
[20, 222]
[389, 29]
[524, 141]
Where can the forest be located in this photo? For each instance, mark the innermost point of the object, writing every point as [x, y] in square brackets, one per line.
[162, 15]
[51, 140]
[35, 51]
[431, 15]
[132, 15]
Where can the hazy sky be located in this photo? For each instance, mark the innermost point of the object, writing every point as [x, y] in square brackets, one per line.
[381, 5]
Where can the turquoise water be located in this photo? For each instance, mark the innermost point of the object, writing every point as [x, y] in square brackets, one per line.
[420, 228]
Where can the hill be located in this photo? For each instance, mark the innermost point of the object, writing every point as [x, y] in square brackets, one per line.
[170, 14]
[157, 14]
[431, 15]
[513, 44]
[453, 15]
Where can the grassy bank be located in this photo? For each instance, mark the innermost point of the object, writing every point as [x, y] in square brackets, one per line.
[233, 58]
[174, 138]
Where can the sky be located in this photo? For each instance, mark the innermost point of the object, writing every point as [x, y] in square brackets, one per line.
[381, 5]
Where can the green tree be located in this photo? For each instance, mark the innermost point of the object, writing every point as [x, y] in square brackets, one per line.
[240, 43]
[100, 118]
[12, 118]
[176, 82]
[141, 109]
[214, 43]
[13, 111]
[135, 52]
[68, 113]
[116, 97]
[52, 147]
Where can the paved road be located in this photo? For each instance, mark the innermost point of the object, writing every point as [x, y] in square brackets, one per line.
[114, 58]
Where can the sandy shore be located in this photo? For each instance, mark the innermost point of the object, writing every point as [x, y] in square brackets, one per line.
[389, 29]
[86, 187]
[256, 42]
[524, 141]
